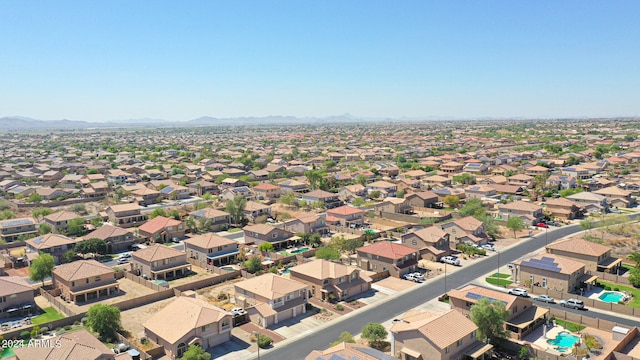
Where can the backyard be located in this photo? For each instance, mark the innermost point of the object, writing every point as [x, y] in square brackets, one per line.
[50, 314]
[635, 293]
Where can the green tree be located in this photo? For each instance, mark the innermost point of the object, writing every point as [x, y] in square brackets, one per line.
[473, 207]
[97, 221]
[75, 227]
[315, 240]
[104, 319]
[69, 256]
[266, 246]
[314, 176]
[93, 246]
[190, 223]
[327, 253]
[489, 316]
[235, 208]
[41, 267]
[375, 333]
[400, 194]
[634, 276]
[491, 227]
[344, 336]
[175, 214]
[157, 212]
[451, 201]
[464, 178]
[361, 179]
[515, 224]
[34, 198]
[44, 229]
[358, 202]
[375, 194]
[635, 257]
[587, 225]
[289, 198]
[41, 213]
[195, 352]
[254, 264]
[79, 208]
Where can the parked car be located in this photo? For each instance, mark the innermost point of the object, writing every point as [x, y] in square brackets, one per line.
[519, 292]
[552, 223]
[450, 260]
[410, 277]
[237, 311]
[544, 298]
[123, 261]
[489, 247]
[418, 277]
[542, 225]
[124, 256]
[572, 303]
[175, 240]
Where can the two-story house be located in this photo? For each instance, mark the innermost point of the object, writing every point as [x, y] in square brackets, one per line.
[351, 192]
[479, 191]
[617, 196]
[529, 212]
[12, 229]
[125, 215]
[425, 199]
[212, 249]
[16, 296]
[160, 262]
[467, 230]
[84, 280]
[562, 208]
[186, 321]
[145, 196]
[522, 316]
[420, 335]
[254, 210]
[306, 224]
[393, 205]
[216, 219]
[59, 221]
[270, 298]
[590, 202]
[432, 242]
[266, 191]
[162, 229]
[293, 185]
[345, 216]
[451, 167]
[385, 188]
[261, 233]
[53, 244]
[561, 182]
[383, 256]
[331, 281]
[117, 238]
[550, 271]
[329, 200]
[596, 257]
[521, 180]
[70, 345]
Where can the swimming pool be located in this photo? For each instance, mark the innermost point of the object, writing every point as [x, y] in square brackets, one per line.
[611, 297]
[564, 341]
[298, 251]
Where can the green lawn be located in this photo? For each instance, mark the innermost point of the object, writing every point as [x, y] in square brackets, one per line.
[50, 314]
[501, 275]
[498, 282]
[570, 326]
[627, 266]
[234, 230]
[635, 293]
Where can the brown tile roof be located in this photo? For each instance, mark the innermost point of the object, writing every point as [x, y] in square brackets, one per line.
[182, 316]
[158, 223]
[13, 285]
[49, 240]
[345, 210]
[253, 206]
[124, 207]
[322, 269]
[431, 234]
[579, 246]
[468, 223]
[560, 202]
[82, 269]
[106, 231]
[209, 240]
[613, 190]
[348, 351]
[77, 345]
[491, 294]
[211, 213]
[156, 252]
[521, 205]
[266, 186]
[564, 265]
[437, 327]
[387, 249]
[320, 194]
[262, 229]
[62, 216]
[270, 286]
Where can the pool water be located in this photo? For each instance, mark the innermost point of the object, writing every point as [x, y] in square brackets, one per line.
[298, 251]
[611, 297]
[6, 353]
[286, 271]
[564, 341]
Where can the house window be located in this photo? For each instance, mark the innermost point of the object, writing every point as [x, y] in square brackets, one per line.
[447, 349]
[414, 242]
[459, 343]
[87, 280]
[325, 282]
[97, 278]
[3, 299]
[531, 278]
[219, 248]
[544, 282]
[341, 280]
[204, 328]
[473, 334]
[275, 235]
[73, 283]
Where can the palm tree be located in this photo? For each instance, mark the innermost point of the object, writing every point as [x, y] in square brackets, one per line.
[635, 257]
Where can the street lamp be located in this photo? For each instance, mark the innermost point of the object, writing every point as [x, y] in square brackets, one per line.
[445, 278]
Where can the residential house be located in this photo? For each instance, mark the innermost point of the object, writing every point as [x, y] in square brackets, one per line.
[347, 350]
[590, 202]
[59, 221]
[530, 213]
[162, 229]
[561, 182]
[145, 196]
[13, 229]
[53, 244]
[232, 183]
[562, 208]
[468, 230]
[537, 170]
[270, 298]
[261, 233]
[293, 185]
[425, 199]
[577, 172]
[306, 224]
[125, 215]
[51, 193]
[432, 242]
[452, 167]
[617, 196]
[551, 271]
[175, 192]
[383, 256]
[479, 191]
[421, 335]
[351, 192]
[213, 249]
[253, 210]
[199, 188]
[84, 280]
[596, 257]
[475, 168]
[16, 296]
[345, 215]
[117, 238]
[70, 181]
[217, 220]
[70, 345]
[385, 188]
[160, 262]
[331, 281]
[329, 200]
[231, 193]
[449, 191]
[521, 180]
[436, 181]
[393, 205]
[267, 191]
[415, 174]
[523, 316]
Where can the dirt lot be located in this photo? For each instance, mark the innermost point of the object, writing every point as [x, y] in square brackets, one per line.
[211, 293]
[395, 283]
[133, 319]
[129, 290]
[199, 274]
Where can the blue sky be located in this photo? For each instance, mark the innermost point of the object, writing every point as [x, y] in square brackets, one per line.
[179, 60]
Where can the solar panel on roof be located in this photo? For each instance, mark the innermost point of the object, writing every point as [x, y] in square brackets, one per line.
[38, 240]
[16, 222]
[475, 296]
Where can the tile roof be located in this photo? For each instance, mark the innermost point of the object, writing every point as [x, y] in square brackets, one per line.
[270, 286]
[157, 224]
[469, 223]
[77, 345]
[345, 210]
[209, 240]
[262, 229]
[472, 293]
[437, 327]
[431, 234]
[322, 269]
[387, 249]
[348, 351]
[49, 240]
[551, 262]
[156, 252]
[124, 207]
[13, 285]
[266, 186]
[62, 216]
[182, 316]
[82, 269]
[579, 246]
[521, 205]
[107, 231]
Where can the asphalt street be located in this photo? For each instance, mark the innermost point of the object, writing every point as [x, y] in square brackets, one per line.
[393, 307]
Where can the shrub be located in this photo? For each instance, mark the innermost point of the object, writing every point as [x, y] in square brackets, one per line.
[44, 329]
[84, 320]
[323, 310]
[222, 296]
[616, 289]
[339, 307]
[607, 287]
[25, 335]
[264, 341]
[67, 327]
[36, 331]
[76, 322]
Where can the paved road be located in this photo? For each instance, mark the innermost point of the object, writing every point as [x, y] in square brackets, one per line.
[393, 307]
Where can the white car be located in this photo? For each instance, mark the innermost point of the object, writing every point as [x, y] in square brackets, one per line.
[123, 261]
[124, 256]
[237, 311]
[572, 303]
[410, 277]
[544, 298]
[519, 292]
[450, 260]
[489, 247]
